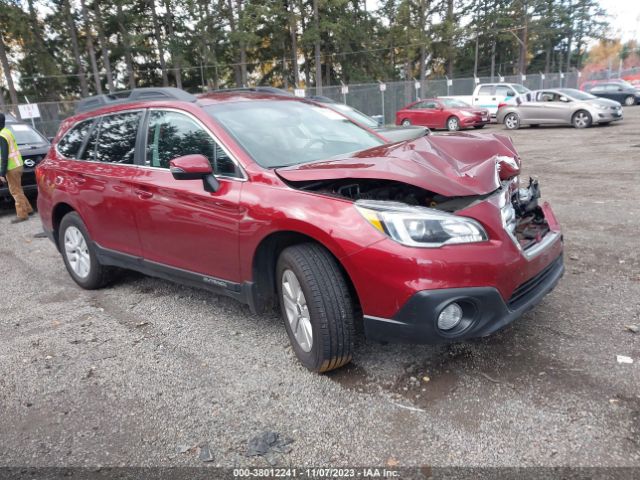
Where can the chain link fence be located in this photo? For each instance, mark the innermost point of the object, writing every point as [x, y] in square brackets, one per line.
[368, 98]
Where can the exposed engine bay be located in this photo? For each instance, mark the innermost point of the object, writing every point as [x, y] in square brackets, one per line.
[390, 190]
[528, 224]
[531, 225]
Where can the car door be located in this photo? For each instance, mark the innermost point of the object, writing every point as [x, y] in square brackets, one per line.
[486, 98]
[427, 114]
[180, 224]
[413, 113]
[602, 91]
[549, 108]
[99, 180]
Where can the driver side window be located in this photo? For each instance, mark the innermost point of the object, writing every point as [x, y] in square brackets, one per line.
[172, 134]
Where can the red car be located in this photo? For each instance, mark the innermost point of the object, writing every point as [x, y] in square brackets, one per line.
[272, 199]
[447, 113]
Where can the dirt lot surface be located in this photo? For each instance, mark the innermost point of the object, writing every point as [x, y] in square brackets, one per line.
[137, 373]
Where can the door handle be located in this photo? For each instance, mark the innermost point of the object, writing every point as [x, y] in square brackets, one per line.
[493, 98]
[143, 194]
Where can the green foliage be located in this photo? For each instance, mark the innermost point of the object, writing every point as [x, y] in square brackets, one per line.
[220, 43]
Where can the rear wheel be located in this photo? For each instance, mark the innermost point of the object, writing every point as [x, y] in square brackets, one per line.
[581, 119]
[453, 124]
[512, 121]
[316, 306]
[406, 122]
[630, 100]
[79, 254]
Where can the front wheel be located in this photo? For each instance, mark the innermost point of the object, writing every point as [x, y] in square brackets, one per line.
[79, 254]
[630, 100]
[453, 124]
[581, 119]
[512, 121]
[316, 306]
[406, 122]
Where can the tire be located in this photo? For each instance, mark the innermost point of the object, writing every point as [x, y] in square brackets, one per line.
[630, 100]
[581, 119]
[74, 232]
[327, 303]
[406, 122]
[478, 127]
[512, 121]
[453, 124]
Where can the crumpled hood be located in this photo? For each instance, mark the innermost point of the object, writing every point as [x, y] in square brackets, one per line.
[457, 164]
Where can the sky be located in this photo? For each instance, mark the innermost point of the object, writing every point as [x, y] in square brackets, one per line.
[625, 17]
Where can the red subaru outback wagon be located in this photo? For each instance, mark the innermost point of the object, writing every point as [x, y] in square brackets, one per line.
[272, 199]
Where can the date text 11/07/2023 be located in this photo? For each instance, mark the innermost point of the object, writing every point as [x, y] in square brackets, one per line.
[320, 473]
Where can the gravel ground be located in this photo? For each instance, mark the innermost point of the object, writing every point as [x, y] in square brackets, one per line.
[129, 374]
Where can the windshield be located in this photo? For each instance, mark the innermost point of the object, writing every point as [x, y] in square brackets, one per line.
[24, 134]
[520, 88]
[450, 102]
[355, 115]
[576, 94]
[279, 133]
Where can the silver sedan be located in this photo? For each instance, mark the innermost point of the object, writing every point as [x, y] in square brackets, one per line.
[561, 106]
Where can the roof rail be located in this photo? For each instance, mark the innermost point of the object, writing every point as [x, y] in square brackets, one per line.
[258, 89]
[137, 94]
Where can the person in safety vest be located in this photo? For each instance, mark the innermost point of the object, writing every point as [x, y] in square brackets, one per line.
[11, 171]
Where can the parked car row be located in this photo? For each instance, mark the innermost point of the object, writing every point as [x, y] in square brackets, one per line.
[520, 106]
[272, 199]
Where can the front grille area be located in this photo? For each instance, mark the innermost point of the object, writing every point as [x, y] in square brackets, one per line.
[529, 288]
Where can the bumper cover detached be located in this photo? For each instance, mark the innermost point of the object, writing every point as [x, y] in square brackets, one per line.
[484, 311]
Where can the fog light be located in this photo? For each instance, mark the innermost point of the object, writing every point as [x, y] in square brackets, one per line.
[450, 317]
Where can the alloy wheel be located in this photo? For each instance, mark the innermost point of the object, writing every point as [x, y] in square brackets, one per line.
[77, 252]
[297, 311]
[629, 101]
[581, 120]
[452, 124]
[511, 121]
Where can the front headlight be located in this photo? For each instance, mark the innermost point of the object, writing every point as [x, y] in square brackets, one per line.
[420, 226]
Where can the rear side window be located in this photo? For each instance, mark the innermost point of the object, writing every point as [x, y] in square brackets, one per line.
[117, 138]
[485, 90]
[504, 91]
[70, 144]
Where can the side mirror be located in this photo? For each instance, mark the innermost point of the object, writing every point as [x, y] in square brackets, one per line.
[194, 167]
[619, 89]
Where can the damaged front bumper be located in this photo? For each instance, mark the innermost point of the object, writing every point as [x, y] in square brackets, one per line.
[488, 284]
[484, 311]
